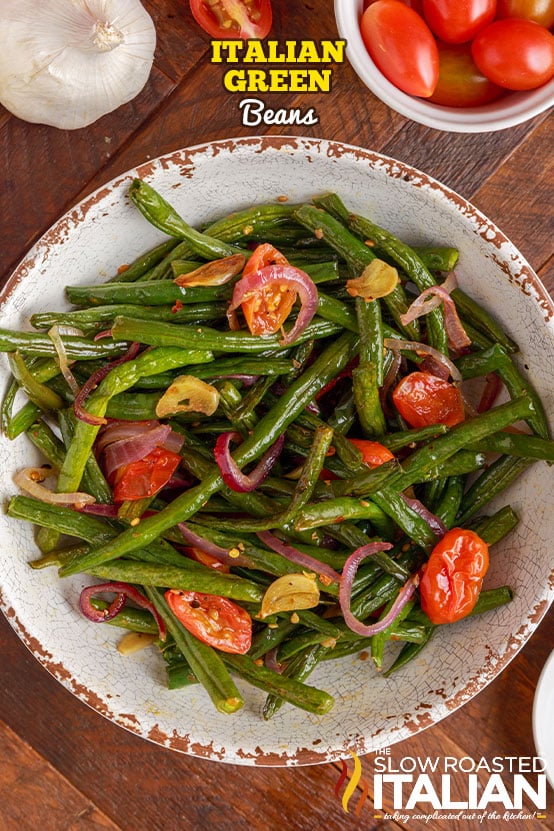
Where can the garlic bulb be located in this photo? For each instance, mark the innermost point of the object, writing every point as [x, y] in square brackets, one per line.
[67, 62]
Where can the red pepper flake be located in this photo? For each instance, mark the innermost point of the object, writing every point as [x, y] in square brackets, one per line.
[364, 656]
[369, 243]
[123, 268]
[177, 307]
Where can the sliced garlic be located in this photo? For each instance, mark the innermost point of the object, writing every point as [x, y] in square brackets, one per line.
[290, 592]
[376, 280]
[68, 62]
[188, 394]
[134, 642]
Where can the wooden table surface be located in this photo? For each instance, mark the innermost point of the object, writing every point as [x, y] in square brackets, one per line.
[62, 766]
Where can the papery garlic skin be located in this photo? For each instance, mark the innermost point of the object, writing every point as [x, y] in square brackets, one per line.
[66, 63]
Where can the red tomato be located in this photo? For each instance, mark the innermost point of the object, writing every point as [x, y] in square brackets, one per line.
[541, 11]
[266, 311]
[515, 53]
[224, 19]
[214, 620]
[458, 21]
[206, 559]
[373, 453]
[453, 576]
[460, 83]
[402, 46]
[145, 477]
[423, 399]
[416, 5]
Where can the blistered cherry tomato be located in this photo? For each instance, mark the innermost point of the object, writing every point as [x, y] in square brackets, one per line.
[458, 21]
[453, 576]
[460, 83]
[214, 620]
[145, 477]
[266, 310]
[373, 452]
[541, 11]
[423, 399]
[515, 53]
[402, 46]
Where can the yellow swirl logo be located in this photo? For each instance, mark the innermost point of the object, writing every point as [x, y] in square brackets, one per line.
[354, 779]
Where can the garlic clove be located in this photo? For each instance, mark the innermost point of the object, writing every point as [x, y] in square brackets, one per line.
[66, 63]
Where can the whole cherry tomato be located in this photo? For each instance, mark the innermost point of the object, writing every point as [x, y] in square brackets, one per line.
[233, 18]
[214, 620]
[541, 11]
[373, 452]
[416, 5]
[423, 399]
[515, 53]
[458, 21]
[402, 46]
[453, 576]
[460, 83]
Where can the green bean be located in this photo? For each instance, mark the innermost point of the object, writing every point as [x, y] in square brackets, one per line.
[288, 688]
[159, 293]
[515, 444]
[41, 395]
[144, 263]
[164, 217]
[205, 662]
[498, 476]
[207, 581]
[494, 528]
[136, 620]
[450, 501]
[186, 337]
[482, 320]
[77, 348]
[98, 317]
[300, 668]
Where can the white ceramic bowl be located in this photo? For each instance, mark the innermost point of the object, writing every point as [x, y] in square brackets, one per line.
[370, 712]
[512, 109]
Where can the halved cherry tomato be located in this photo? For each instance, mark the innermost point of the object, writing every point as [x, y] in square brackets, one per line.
[460, 82]
[145, 477]
[402, 46]
[233, 18]
[423, 399]
[214, 620]
[267, 309]
[459, 21]
[373, 452]
[515, 53]
[541, 11]
[453, 576]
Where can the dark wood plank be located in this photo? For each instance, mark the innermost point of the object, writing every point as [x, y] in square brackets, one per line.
[34, 795]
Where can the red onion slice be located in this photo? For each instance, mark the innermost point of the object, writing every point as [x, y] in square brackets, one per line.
[125, 451]
[397, 344]
[345, 591]
[221, 554]
[436, 524]
[122, 592]
[430, 299]
[293, 555]
[232, 475]
[287, 277]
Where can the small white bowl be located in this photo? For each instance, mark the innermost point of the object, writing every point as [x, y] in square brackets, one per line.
[511, 109]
